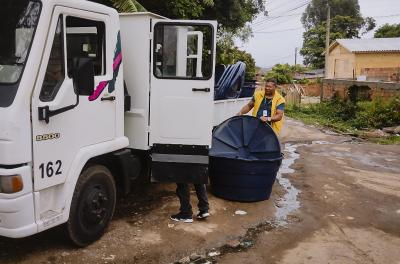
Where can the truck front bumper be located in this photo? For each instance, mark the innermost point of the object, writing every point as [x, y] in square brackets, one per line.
[17, 211]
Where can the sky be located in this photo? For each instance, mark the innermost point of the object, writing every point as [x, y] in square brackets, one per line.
[277, 36]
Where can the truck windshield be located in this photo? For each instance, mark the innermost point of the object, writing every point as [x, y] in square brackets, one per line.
[18, 21]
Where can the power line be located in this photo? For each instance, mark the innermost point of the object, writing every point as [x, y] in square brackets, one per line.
[260, 23]
[267, 19]
[277, 31]
[265, 22]
[290, 29]
[267, 26]
[394, 15]
[295, 14]
[283, 4]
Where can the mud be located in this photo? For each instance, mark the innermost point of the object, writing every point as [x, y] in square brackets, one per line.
[349, 195]
[336, 200]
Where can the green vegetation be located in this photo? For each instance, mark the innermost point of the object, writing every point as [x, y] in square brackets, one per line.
[284, 73]
[123, 6]
[392, 140]
[231, 55]
[232, 16]
[346, 22]
[388, 31]
[351, 118]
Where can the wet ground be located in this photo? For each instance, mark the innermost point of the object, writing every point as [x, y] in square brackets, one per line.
[336, 200]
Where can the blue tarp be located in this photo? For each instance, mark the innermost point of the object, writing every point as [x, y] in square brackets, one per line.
[230, 82]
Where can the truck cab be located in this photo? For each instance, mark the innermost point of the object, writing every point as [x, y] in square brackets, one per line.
[83, 90]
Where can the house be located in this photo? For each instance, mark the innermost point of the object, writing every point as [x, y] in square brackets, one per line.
[365, 59]
[310, 74]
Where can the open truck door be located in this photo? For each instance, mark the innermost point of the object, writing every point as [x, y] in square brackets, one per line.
[181, 99]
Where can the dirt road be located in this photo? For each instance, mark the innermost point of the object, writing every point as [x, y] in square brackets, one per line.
[336, 201]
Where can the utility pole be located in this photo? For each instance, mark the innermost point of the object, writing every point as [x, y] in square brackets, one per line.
[295, 56]
[328, 30]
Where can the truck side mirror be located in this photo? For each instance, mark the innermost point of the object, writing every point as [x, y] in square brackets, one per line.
[83, 76]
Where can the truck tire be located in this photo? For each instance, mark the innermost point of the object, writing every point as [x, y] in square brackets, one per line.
[92, 206]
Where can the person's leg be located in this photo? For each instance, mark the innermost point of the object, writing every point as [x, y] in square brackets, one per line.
[202, 197]
[182, 191]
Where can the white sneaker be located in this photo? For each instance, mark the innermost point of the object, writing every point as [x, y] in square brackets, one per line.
[182, 218]
[202, 215]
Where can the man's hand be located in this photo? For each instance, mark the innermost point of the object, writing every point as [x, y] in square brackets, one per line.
[265, 119]
[245, 109]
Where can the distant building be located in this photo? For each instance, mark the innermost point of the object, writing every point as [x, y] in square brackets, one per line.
[365, 59]
[310, 74]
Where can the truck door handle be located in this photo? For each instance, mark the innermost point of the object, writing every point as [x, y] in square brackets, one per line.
[207, 90]
[111, 98]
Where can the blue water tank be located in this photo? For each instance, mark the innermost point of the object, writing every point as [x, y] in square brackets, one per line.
[244, 159]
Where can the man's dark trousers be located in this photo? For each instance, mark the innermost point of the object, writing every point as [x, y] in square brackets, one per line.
[183, 193]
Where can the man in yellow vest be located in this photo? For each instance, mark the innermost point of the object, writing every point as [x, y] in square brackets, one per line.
[268, 105]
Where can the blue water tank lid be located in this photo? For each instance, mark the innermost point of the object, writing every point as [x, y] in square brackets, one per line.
[245, 138]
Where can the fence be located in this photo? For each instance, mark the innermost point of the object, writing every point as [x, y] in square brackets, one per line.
[292, 93]
[351, 89]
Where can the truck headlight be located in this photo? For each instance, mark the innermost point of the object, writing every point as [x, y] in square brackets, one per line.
[11, 184]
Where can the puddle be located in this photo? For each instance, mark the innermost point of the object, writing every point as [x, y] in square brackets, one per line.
[289, 202]
[286, 205]
[320, 142]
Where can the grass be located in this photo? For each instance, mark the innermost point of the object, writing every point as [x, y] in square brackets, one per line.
[318, 120]
[351, 118]
[392, 140]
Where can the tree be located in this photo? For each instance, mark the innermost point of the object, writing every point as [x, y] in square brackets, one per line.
[284, 73]
[232, 16]
[123, 6]
[346, 22]
[231, 55]
[314, 38]
[178, 9]
[128, 6]
[388, 31]
[316, 11]
[227, 54]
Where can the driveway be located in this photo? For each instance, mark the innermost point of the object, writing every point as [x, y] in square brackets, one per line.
[336, 200]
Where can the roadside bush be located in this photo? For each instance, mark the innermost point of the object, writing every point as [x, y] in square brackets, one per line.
[335, 110]
[361, 115]
[304, 81]
[377, 114]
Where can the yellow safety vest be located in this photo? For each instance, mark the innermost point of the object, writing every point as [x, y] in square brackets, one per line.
[276, 100]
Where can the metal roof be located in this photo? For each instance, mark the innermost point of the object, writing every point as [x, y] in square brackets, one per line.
[369, 45]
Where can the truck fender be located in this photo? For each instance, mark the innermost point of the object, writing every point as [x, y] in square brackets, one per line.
[79, 162]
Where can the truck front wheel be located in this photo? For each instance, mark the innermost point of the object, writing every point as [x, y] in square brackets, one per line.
[92, 206]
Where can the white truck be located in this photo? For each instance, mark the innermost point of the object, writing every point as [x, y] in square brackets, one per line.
[89, 99]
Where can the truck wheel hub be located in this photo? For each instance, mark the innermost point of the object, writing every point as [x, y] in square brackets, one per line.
[96, 205]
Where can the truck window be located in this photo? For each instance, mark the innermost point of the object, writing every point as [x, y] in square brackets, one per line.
[86, 39]
[55, 71]
[183, 51]
[18, 21]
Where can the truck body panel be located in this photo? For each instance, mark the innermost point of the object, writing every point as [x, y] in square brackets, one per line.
[136, 44]
[224, 109]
